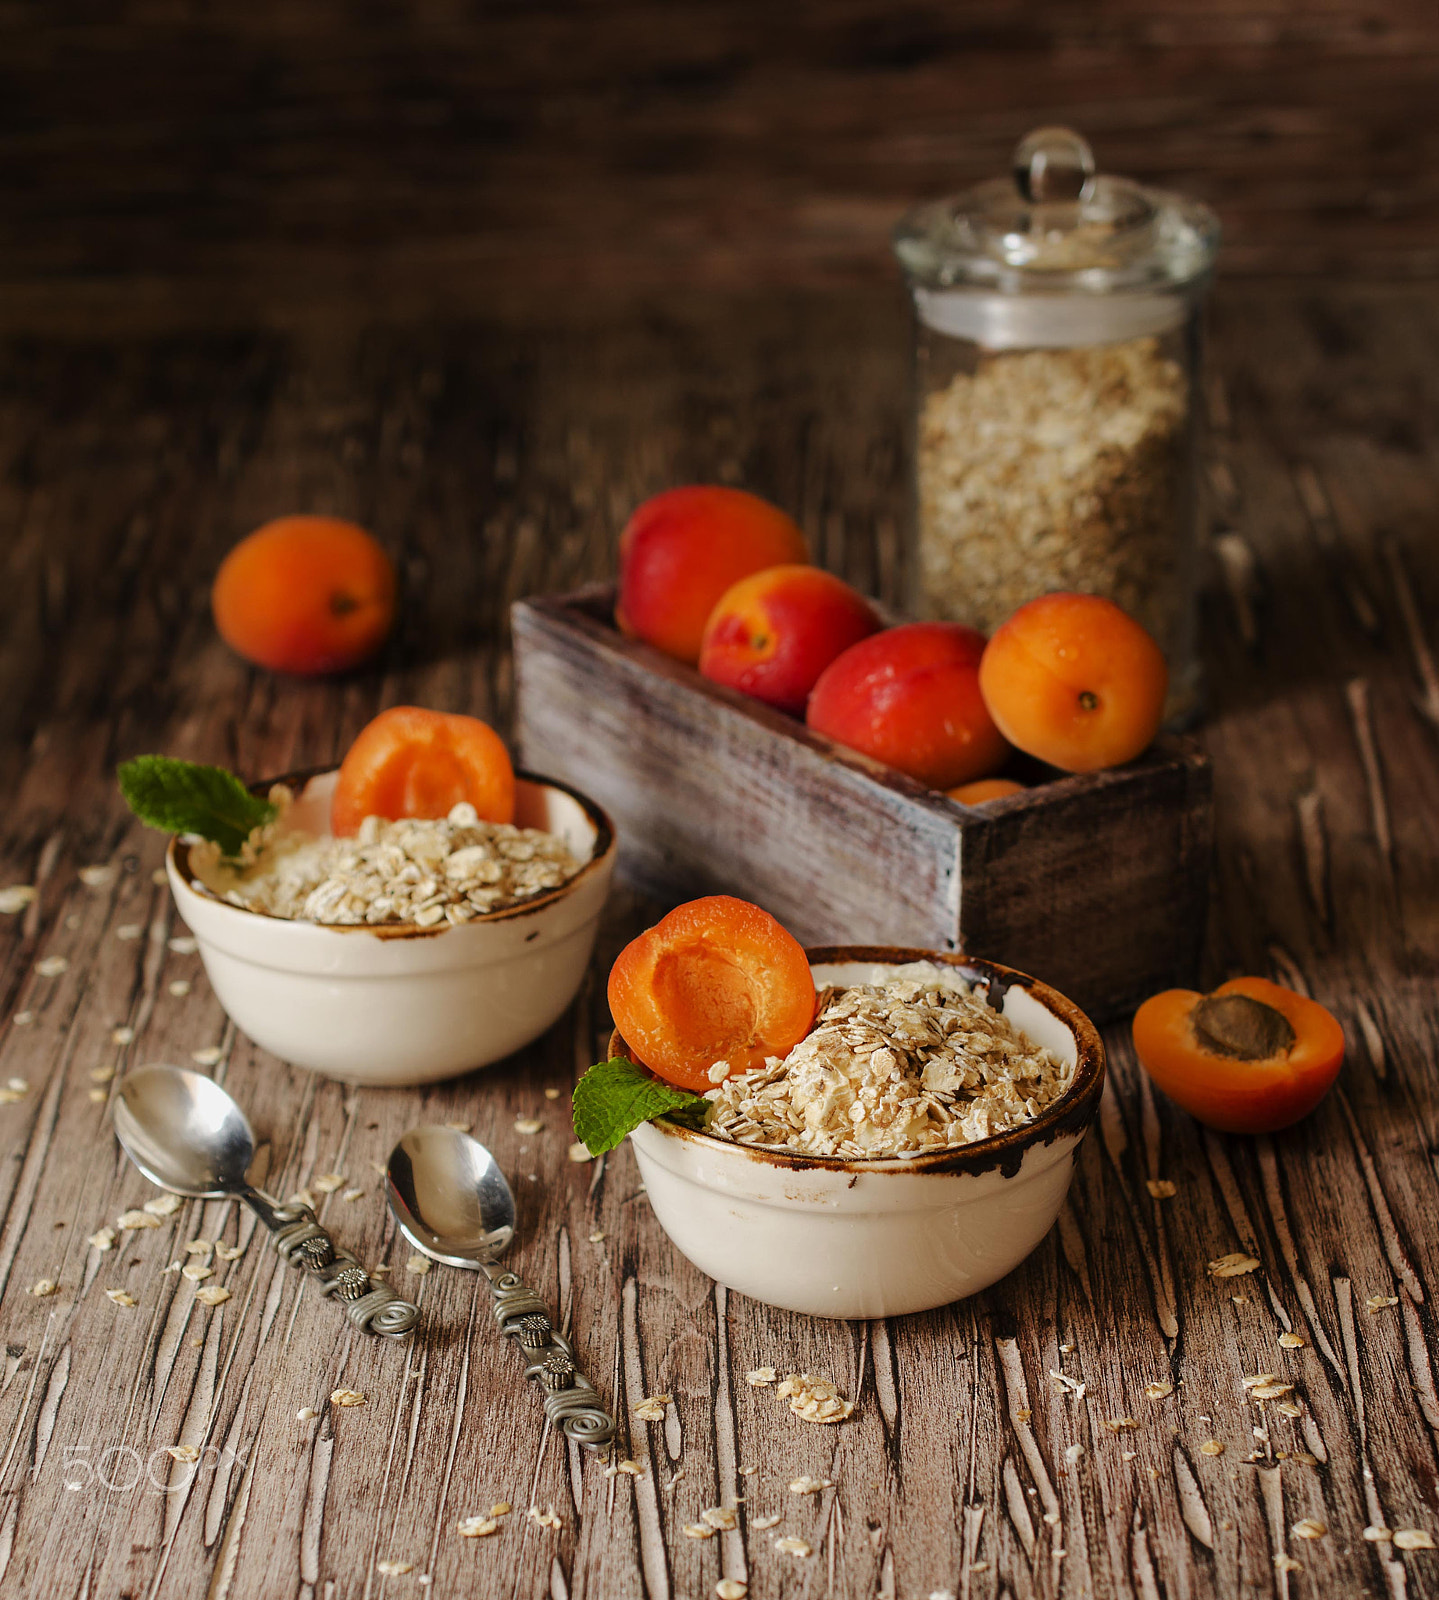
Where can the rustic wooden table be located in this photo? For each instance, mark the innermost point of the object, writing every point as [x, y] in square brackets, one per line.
[498, 459]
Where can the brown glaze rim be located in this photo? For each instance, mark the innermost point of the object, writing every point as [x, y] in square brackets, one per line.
[179, 853]
[1072, 1113]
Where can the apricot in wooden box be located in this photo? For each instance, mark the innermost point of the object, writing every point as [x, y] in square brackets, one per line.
[1096, 884]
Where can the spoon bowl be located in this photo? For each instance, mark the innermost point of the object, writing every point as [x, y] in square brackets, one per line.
[450, 1197]
[184, 1132]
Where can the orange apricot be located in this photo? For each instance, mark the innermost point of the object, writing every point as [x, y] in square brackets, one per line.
[975, 794]
[305, 595]
[774, 632]
[718, 979]
[409, 762]
[682, 549]
[1075, 681]
[910, 697]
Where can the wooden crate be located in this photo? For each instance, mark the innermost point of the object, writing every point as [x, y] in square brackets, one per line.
[1096, 884]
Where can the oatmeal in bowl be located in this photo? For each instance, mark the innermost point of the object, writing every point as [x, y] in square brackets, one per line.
[415, 949]
[910, 1150]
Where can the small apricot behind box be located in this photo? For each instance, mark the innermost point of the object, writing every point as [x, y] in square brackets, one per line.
[1097, 884]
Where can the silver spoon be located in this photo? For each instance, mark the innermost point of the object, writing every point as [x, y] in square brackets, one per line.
[187, 1135]
[452, 1202]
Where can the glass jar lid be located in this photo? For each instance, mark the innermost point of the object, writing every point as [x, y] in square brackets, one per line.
[1054, 227]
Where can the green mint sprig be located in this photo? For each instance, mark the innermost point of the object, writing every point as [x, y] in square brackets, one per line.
[615, 1096]
[184, 797]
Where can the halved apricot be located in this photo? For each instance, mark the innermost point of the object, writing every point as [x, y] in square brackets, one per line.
[718, 979]
[410, 762]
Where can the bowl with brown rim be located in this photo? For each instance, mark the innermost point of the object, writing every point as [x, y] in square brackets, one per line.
[839, 1237]
[398, 1004]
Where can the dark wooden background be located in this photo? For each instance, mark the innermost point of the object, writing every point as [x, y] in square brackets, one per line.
[483, 276]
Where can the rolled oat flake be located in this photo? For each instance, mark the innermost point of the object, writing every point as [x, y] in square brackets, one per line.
[1057, 315]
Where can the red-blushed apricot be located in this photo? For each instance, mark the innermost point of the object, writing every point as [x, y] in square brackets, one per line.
[910, 697]
[1075, 681]
[774, 632]
[305, 595]
[976, 793]
[682, 549]
[718, 979]
[409, 762]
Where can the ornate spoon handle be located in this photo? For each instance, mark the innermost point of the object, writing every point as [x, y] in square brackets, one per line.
[572, 1402]
[372, 1306]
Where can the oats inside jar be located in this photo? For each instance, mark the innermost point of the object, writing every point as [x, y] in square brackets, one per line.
[920, 1061]
[416, 871]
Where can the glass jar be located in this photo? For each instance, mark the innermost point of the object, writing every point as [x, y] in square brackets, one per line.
[1057, 349]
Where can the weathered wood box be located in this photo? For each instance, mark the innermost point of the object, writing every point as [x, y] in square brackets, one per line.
[1096, 884]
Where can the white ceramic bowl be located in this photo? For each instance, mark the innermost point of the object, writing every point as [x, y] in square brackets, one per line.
[844, 1238]
[401, 1004]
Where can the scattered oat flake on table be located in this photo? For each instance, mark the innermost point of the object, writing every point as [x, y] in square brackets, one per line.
[97, 1096]
[477, 1527]
[1259, 1378]
[815, 1398]
[794, 1547]
[1072, 1453]
[1065, 1382]
[731, 1589]
[698, 1530]
[1121, 1424]
[501, 1508]
[596, 1238]
[117, 1036]
[160, 876]
[552, 1094]
[23, 1019]
[101, 1074]
[652, 1409]
[1292, 1341]
[44, 1288]
[805, 1484]
[1309, 1528]
[1234, 1265]
[1270, 1391]
[721, 1517]
[15, 897]
[394, 1569]
[1377, 1535]
[179, 988]
[1129, 1455]
[328, 1182]
[1288, 1564]
[1211, 1447]
[196, 1272]
[52, 966]
[121, 1297]
[103, 1240]
[766, 1522]
[210, 1056]
[1158, 1390]
[351, 1195]
[545, 1518]
[183, 1452]
[1160, 1188]
[164, 1205]
[184, 945]
[528, 1125]
[626, 1468]
[417, 1266]
[306, 1414]
[346, 1397]
[9, 1095]
[760, 1376]
[97, 877]
[1377, 1302]
[229, 1252]
[580, 1153]
[137, 1219]
[1413, 1539]
[199, 1247]
[1287, 1408]
[459, 1127]
[128, 931]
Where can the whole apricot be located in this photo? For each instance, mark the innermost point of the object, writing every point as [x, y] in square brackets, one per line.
[983, 789]
[773, 633]
[910, 697]
[682, 549]
[305, 595]
[1075, 681]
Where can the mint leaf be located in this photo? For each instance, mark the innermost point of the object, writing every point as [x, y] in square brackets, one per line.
[617, 1095]
[184, 797]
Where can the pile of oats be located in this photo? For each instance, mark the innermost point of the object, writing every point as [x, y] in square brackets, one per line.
[410, 871]
[915, 1063]
[1055, 469]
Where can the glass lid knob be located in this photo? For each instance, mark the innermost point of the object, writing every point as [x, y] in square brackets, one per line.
[1054, 165]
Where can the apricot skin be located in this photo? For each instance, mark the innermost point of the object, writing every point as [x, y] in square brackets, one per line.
[682, 549]
[305, 595]
[1075, 681]
[982, 789]
[909, 697]
[773, 633]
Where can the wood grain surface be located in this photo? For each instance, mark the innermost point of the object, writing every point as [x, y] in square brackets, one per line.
[497, 458]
